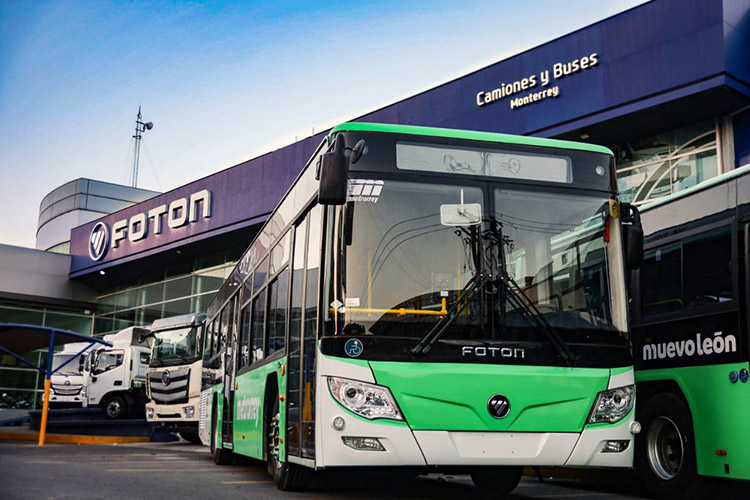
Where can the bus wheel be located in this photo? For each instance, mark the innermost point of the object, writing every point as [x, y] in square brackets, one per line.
[221, 456]
[496, 481]
[287, 476]
[665, 449]
[115, 407]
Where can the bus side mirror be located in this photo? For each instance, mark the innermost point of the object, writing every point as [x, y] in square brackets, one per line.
[632, 236]
[333, 171]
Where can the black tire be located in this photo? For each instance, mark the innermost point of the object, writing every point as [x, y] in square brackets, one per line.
[191, 437]
[115, 407]
[287, 476]
[497, 482]
[221, 456]
[665, 449]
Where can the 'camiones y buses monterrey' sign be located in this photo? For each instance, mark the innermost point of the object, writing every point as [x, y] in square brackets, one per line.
[180, 212]
[542, 79]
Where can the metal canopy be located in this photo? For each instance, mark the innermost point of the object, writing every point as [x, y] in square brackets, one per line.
[16, 339]
[19, 338]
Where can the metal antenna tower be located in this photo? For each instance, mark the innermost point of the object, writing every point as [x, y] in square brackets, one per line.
[140, 127]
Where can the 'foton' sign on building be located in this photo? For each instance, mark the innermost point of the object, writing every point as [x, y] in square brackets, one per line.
[178, 213]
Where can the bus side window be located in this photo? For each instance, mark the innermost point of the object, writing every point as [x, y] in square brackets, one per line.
[244, 341]
[224, 328]
[216, 334]
[258, 326]
[661, 280]
[278, 299]
[707, 280]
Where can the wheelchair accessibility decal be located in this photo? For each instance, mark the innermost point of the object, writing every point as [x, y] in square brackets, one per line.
[353, 347]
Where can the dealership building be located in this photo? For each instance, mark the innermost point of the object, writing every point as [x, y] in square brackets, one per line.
[665, 85]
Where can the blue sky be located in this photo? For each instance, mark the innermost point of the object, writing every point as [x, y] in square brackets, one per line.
[224, 81]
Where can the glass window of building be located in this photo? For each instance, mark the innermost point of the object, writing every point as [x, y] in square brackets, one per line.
[663, 164]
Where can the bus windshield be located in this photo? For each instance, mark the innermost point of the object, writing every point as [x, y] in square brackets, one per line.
[402, 265]
[178, 344]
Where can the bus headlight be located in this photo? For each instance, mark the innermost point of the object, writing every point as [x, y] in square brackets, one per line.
[613, 405]
[366, 400]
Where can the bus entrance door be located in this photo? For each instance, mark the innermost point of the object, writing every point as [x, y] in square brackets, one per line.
[229, 378]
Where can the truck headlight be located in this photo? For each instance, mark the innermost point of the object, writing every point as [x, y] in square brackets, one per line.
[149, 413]
[613, 405]
[366, 400]
[189, 411]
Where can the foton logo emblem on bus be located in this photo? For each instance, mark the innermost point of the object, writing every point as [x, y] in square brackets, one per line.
[98, 241]
[498, 406]
[364, 190]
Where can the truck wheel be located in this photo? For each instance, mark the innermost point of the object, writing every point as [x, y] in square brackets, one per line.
[221, 456]
[665, 449]
[286, 475]
[191, 437]
[496, 481]
[115, 407]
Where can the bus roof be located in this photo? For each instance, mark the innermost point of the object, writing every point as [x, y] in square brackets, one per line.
[737, 172]
[469, 135]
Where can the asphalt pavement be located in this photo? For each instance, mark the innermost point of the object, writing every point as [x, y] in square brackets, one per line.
[184, 471]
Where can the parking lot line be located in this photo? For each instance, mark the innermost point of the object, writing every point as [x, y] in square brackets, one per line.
[180, 469]
[267, 481]
[575, 495]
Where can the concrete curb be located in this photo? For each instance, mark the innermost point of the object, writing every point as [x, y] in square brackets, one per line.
[72, 438]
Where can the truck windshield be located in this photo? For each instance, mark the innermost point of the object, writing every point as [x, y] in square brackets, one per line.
[72, 368]
[402, 265]
[178, 344]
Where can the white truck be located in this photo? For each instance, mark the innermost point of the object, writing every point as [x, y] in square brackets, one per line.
[68, 385]
[174, 374]
[112, 378]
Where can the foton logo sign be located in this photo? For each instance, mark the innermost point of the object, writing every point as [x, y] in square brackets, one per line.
[178, 213]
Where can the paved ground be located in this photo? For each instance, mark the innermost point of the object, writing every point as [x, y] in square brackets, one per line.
[185, 471]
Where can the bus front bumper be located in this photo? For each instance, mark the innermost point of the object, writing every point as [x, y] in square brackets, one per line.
[598, 445]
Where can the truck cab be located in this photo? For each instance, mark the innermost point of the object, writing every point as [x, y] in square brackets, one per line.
[174, 374]
[116, 376]
[68, 385]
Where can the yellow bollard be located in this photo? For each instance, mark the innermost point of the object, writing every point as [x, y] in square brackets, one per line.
[45, 409]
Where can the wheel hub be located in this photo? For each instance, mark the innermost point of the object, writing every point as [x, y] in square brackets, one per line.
[665, 448]
[273, 436]
[113, 408]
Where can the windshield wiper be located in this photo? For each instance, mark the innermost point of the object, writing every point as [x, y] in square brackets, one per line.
[429, 339]
[523, 303]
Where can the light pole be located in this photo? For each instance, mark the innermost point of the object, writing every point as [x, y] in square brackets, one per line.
[140, 127]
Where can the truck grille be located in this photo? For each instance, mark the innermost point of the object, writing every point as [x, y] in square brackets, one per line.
[66, 390]
[173, 392]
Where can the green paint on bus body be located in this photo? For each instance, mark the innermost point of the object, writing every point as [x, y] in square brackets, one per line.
[469, 135]
[454, 396]
[218, 402]
[250, 408]
[720, 412]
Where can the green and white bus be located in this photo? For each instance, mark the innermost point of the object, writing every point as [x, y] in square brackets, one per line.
[443, 300]
[690, 321]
